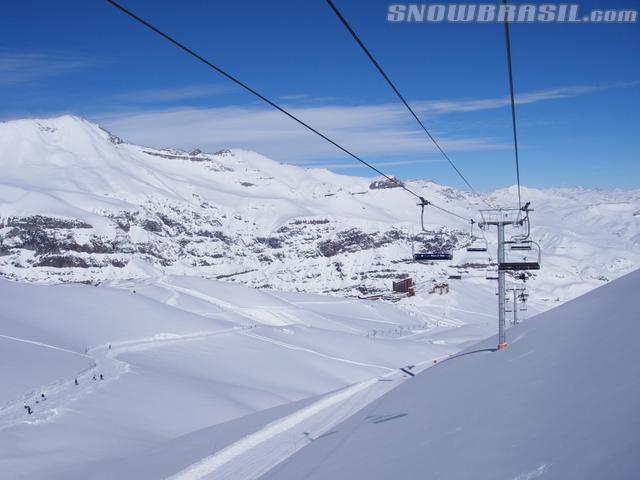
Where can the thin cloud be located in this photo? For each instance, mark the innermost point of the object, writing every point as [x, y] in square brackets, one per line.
[294, 96]
[175, 94]
[24, 67]
[355, 164]
[460, 106]
[367, 130]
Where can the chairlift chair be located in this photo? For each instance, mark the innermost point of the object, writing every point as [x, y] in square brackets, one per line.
[520, 245]
[523, 264]
[477, 247]
[432, 256]
[491, 274]
[429, 256]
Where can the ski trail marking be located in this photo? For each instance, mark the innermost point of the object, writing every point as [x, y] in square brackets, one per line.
[302, 349]
[64, 391]
[44, 345]
[209, 465]
[252, 456]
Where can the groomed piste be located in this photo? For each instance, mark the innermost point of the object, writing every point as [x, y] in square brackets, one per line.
[560, 402]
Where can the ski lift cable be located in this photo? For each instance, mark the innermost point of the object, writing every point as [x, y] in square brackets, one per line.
[274, 105]
[507, 38]
[424, 203]
[402, 99]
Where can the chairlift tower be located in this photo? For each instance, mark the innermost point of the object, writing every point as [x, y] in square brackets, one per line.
[519, 293]
[502, 218]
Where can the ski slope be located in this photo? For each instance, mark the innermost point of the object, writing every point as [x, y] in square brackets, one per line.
[560, 402]
[190, 367]
[211, 379]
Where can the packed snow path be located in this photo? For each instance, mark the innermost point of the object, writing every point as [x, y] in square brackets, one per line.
[259, 452]
[101, 360]
[247, 458]
[192, 372]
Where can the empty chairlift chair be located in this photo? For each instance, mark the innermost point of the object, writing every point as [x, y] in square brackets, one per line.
[478, 244]
[523, 264]
[520, 246]
[432, 256]
[428, 255]
[491, 273]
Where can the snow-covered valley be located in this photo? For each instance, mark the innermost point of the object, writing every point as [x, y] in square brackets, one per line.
[206, 303]
[189, 366]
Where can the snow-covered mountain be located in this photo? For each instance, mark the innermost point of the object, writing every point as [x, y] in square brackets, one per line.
[77, 204]
[160, 372]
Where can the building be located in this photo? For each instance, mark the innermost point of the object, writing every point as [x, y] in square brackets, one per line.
[404, 286]
[440, 288]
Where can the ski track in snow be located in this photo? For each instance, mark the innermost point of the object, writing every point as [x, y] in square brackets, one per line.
[259, 452]
[60, 394]
[253, 314]
[44, 345]
[314, 352]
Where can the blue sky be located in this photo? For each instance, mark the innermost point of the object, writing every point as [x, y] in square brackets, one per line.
[578, 86]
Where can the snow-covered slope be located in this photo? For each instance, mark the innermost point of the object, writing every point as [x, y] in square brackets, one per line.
[561, 402]
[189, 365]
[215, 378]
[79, 205]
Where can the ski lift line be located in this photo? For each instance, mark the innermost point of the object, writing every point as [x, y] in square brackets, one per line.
[402, 99]
[450, 212]
[423, 203]
[270, 102]
[251, 90]
[507, 37]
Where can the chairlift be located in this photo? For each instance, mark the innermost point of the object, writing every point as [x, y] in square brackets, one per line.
[429, 256]
[477, 247]
[523, 264]
[432, 256]
[520, 245]
[491, 274]
[518, 266]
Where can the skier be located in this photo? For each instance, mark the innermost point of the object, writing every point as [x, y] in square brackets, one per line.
[43, 397]
[101, 377]
[76, 382]
[29, 411]
[94, 378]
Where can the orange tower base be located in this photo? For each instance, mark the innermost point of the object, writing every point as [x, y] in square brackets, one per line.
[501, 346]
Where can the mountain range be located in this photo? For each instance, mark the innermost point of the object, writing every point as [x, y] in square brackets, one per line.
[78, 204]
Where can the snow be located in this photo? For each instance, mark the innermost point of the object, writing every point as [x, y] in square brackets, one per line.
[69, 168]
[218, 379]
[560, 402]
[187, 361]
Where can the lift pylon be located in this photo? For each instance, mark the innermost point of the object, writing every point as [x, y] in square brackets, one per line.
[501, 218]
